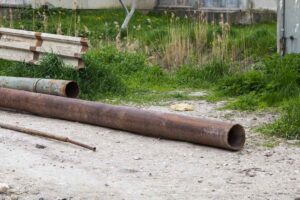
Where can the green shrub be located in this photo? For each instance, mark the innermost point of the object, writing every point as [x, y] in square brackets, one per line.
[274, 82]
[244, 83]
[249, 102]
[96, 80]
[197, 77]
[283, 75]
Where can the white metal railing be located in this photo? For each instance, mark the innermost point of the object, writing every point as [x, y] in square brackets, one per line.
[30, 47]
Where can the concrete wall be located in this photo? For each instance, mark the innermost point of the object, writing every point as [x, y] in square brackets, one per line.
[264, 4]
[142, 4]
[92, 4]
[14, 2]
[289, 27]
[229, 4]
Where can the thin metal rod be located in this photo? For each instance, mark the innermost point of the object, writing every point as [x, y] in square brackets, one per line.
[123, 5]
[45, 135]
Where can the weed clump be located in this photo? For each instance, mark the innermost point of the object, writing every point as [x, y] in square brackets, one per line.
[244, 83]
[199, 77]
[288, 125]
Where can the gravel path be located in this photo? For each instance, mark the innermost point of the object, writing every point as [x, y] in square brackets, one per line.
[128, 166]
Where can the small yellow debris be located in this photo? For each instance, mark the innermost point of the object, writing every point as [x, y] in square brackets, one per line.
[182, 107]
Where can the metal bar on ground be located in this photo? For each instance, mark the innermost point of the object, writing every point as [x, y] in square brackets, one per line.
[45, 135]
[63, 88]
[154, 124]
[28, 46]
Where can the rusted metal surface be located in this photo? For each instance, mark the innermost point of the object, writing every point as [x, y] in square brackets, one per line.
[45, 135]
[20, 45]
[154, 124]
[46, 86]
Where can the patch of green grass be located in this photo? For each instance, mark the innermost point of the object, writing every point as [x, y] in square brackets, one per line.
[253, 41]
[202, 76]
[288, 126]
[275, 82]
[243, 83]
[248, 102]
[271, 144]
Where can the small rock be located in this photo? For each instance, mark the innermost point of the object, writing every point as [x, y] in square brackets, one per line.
[14, 197]
[269, 154]
[251, 174]
[39, 146]
[137, 158]
[3, 188]
[254, 118]
[41, 198]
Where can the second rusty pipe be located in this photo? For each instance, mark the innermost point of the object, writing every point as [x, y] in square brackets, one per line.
[154, 124]
[46, 86]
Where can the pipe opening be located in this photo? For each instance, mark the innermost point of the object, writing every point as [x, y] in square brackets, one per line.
[72, 90]
[236, 137]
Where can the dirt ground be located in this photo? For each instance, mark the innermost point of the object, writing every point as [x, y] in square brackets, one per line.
[128, 166]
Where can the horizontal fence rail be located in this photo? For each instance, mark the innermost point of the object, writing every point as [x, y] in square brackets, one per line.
[30, 47]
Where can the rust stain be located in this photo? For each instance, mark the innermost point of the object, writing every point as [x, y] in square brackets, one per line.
[32, 48]
[80, 64]
[85, 45]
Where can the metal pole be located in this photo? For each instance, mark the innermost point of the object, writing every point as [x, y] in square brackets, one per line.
[45, 135]
[45, 86]
[154, 124]
[282, 26]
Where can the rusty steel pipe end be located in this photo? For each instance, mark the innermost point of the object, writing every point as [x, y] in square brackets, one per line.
[72, 89]
[236, 137]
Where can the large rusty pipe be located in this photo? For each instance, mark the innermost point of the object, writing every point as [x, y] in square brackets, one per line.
[154, 124]
[46, 86]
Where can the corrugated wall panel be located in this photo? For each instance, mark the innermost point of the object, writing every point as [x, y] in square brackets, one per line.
[15, 2]
[201, 3]
[292, 26]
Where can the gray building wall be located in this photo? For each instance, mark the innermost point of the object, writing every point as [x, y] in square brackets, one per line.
[14, 2]
[264, 4]
[149, 4]
[92, 4]
[217, 4]
[288, 26]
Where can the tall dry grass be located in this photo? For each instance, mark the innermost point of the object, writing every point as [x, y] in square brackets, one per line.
[195, 42]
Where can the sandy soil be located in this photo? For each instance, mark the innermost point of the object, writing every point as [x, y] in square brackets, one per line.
[128, 166]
